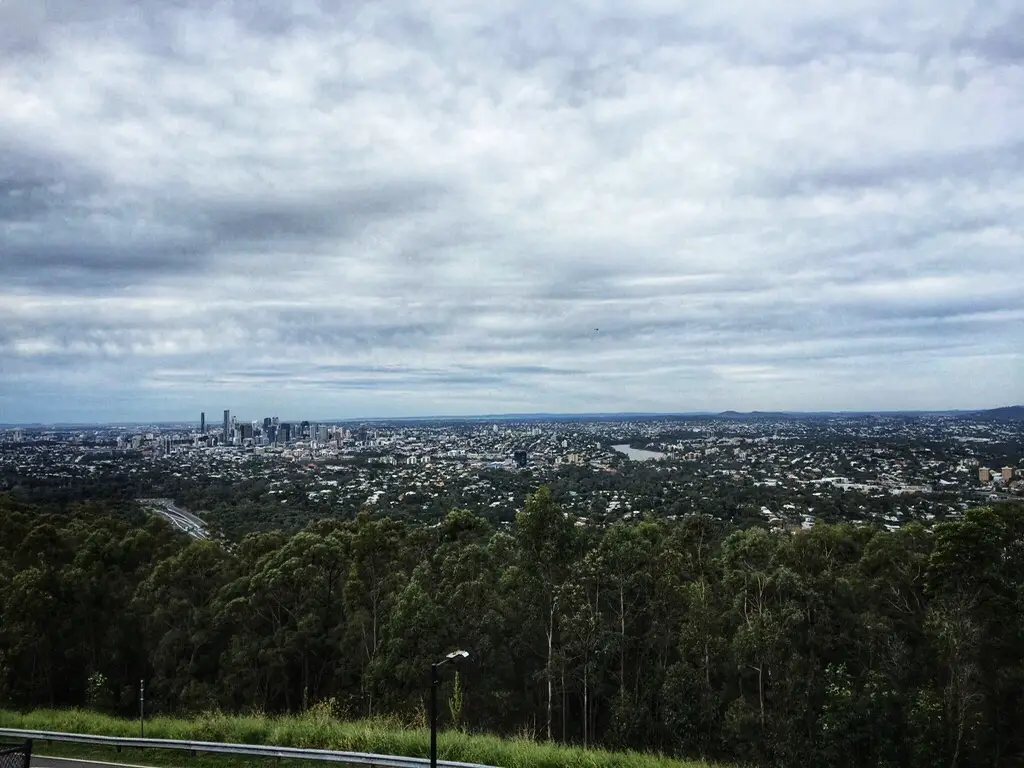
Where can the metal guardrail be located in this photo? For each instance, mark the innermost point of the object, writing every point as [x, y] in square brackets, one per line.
[247, 750]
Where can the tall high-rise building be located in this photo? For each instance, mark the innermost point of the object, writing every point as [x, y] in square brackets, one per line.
[227, 425]
[202, 423]
[1007, 474]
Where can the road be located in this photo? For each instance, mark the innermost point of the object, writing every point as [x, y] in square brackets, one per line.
[41, 761]
[179, 518]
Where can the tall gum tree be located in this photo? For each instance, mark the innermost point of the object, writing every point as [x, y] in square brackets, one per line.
[545, 550]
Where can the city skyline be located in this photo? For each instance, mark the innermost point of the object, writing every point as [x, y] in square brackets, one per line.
[217, 429]
[428, 208]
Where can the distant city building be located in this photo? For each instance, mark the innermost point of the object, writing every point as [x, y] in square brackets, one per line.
[1008, 474]
[984, 475]
[202, 423]
[285, 433]
[227, 425]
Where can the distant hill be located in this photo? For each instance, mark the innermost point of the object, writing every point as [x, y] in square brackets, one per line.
[1006, 413]
[759, 415]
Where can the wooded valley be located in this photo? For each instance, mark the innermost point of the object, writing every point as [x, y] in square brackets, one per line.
[836, 646]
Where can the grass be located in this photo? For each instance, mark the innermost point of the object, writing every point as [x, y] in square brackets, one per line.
[313, 730]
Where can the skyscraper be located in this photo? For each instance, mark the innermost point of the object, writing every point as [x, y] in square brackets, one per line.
[227, 425]
[202, 423]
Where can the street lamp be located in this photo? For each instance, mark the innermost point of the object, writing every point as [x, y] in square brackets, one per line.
[435, 679]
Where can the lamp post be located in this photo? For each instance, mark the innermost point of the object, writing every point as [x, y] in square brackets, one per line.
[435, 679]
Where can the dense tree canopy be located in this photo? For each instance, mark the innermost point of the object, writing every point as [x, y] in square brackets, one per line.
[836, 646]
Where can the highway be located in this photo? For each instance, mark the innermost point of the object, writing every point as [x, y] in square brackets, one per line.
[179, 518]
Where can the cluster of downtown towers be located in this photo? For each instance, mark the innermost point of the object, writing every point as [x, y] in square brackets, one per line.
[273, 431]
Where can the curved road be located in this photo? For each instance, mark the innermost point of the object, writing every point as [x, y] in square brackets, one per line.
[179, 518]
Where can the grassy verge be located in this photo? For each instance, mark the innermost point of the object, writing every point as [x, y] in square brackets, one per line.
[314, 731]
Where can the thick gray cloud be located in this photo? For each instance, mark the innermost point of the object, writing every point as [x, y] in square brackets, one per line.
[324, 209]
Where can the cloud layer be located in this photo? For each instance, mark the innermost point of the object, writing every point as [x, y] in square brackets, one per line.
[326, 209]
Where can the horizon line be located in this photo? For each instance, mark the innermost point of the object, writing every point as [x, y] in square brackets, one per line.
[539, 415]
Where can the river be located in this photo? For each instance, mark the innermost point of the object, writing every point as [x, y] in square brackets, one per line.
[638, 455]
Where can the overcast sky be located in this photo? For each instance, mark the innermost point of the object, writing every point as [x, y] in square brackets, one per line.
[344, 209]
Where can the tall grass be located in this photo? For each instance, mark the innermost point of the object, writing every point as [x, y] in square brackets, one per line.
[318, 729]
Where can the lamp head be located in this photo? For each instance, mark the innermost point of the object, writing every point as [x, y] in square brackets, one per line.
[456, 655]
